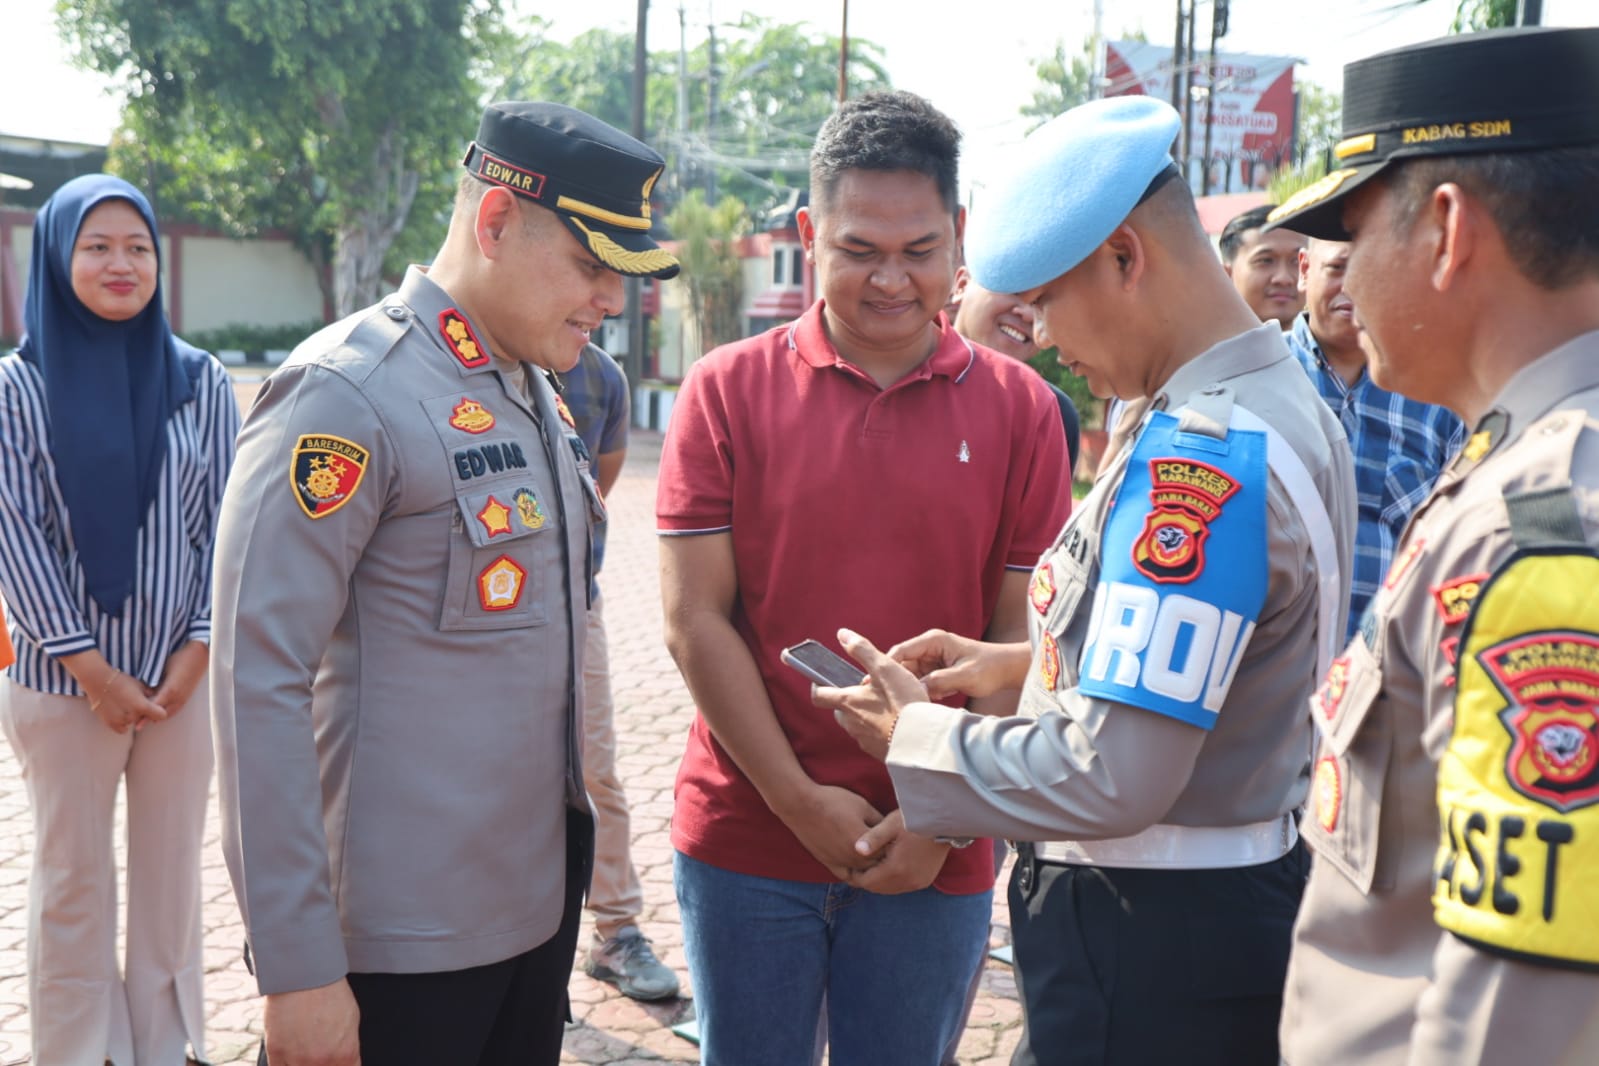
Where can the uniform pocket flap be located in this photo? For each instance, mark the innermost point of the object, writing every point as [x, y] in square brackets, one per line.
[502, 514]
[1346, 694]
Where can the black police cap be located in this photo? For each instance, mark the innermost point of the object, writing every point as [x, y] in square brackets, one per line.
[1517, 90]
[595, 178]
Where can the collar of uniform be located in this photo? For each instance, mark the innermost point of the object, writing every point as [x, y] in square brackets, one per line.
[1253, 350]
[1540, 386]
[952, 358]
[423, 296]
[1534, 391]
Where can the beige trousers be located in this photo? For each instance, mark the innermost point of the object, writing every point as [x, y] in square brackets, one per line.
[82, 1011]
[615, 898]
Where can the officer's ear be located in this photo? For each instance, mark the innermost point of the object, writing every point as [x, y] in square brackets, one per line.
[498, 214]
[1127, 247]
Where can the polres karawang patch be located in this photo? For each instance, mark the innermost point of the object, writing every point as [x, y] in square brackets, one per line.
[1186, 496]
[325, 471]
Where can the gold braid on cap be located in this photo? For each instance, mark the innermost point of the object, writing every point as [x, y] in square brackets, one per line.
[621, 259]
[1311, 194]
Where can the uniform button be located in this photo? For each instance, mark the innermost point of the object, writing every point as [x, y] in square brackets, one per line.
[394, 311]
[1554, 427]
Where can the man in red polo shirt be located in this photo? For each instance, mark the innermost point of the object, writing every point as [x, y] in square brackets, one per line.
[863, 466]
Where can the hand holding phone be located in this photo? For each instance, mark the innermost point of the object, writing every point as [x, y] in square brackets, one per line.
[823, 665]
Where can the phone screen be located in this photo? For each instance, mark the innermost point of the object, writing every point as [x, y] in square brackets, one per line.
[822, 665]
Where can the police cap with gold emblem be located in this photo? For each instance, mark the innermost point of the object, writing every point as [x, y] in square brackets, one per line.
[595, 178]
[1497, 91]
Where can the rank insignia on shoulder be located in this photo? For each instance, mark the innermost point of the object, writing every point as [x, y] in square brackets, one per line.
[528, 509]
[1042, 588]
[1401, 565]
[325, 472]
[499, 586]
[469, 416]
[460, 339]
[565, 412]
[1187, 496]
[496, 517]
[1329, 788]
[1455, 597]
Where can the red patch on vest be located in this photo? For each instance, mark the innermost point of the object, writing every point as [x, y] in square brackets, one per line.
[1187, 496]
[1551, 716]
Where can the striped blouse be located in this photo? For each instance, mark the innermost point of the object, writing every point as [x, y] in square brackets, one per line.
[49, 610]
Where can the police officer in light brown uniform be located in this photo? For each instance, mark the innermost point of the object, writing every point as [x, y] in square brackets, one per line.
[1178, 625]
[401, 586]
[1452, 915]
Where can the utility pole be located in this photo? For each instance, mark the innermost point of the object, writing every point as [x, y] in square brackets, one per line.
[684, 163]
[710, 114]
[1218, 28]
[1177, 64]
[633, 358]
[843, 57]
[1189, 66]
[1096, 74]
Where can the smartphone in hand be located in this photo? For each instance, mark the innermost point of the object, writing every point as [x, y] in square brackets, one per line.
[823, 665]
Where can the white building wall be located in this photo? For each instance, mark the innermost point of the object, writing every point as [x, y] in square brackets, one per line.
[259, 282]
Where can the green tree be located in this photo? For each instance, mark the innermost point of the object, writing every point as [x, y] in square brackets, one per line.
[1285, 183]
[1483, 15]
[750, 117]
[1319, 122]
[712, 271]
[326, 118]
[1471, 15]
[1064, 82]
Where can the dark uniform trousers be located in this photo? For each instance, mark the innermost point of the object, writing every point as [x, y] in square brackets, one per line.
[1138, 967]
[508, 1013]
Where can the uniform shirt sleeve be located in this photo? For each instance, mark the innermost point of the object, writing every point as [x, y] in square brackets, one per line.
[281, 587]
[695, 491]
[218, 431]
[32, 574]
[1109, 759]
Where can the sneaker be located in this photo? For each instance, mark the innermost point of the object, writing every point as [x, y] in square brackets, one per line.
[627, 962]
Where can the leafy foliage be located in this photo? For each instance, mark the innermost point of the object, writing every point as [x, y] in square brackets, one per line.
[1319, 122]
[747, 120]
[711, 267]
[323, 119]
[1064, 82]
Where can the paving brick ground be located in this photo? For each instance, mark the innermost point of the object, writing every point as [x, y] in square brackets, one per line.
[653, 714]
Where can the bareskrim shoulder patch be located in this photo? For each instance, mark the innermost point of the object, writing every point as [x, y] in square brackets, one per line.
[325, 472]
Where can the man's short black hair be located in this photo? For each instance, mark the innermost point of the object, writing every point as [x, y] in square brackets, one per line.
[1232, 235]
[1540, 201]
[887, 130]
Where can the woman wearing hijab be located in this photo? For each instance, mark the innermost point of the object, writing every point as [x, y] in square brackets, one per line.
[115, 441]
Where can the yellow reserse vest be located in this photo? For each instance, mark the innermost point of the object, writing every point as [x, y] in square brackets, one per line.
[1518, 786]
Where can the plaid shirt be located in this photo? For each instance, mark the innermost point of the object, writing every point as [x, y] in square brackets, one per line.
[1400, 446]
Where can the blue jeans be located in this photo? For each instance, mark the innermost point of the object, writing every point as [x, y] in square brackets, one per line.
[763, 953]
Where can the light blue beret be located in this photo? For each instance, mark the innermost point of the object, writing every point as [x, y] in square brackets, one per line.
[1065, 188]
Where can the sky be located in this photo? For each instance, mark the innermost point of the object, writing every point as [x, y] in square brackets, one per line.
[971, 58]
